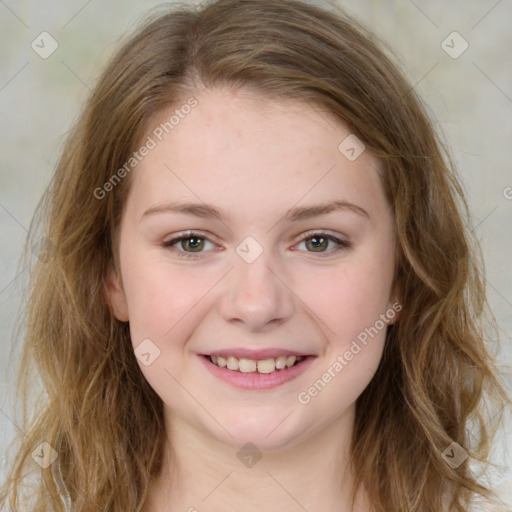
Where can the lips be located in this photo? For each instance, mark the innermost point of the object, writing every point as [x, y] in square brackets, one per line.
[257, 369]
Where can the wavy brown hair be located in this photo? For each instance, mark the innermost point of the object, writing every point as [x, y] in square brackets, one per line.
[437, 382]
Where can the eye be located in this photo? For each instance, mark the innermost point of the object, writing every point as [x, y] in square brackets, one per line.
[319, 242]
[187, 244]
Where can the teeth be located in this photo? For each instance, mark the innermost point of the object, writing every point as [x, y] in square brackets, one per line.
[249, 366]
[266, 366]
[281, 362]
[232, 363]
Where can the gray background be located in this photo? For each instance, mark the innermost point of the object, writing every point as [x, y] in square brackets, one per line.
[470, 97]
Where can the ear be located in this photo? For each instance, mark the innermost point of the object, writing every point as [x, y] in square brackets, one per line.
[393, 311]
[116, 296]
[394, 306]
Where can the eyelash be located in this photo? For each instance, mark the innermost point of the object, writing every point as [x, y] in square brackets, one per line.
[342, 244]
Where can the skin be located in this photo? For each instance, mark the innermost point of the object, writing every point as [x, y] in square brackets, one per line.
[254, 159]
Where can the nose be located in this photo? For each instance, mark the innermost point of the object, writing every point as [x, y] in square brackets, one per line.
[256, 296]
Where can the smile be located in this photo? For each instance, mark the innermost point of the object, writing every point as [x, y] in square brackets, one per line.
[261, 374]
[244, 365]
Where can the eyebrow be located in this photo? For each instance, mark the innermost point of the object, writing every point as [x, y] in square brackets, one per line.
[297, 213]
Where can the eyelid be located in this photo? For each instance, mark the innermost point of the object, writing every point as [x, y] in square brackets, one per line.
[319, 232]
[187, 234]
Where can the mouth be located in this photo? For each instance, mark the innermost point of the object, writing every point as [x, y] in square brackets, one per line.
[264, 366]
[259, 374]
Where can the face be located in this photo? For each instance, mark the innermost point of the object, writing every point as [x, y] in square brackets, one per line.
[250, 235]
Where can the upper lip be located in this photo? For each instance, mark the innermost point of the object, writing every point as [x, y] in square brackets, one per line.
[256, 355]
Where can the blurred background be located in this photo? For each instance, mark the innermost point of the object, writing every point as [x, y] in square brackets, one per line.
[457, 55]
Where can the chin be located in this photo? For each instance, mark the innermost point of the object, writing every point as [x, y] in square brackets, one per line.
[267, 432]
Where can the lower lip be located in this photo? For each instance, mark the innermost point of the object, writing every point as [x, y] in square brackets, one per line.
[255, 380]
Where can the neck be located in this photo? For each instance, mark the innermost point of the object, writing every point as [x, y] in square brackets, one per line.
[204, 474]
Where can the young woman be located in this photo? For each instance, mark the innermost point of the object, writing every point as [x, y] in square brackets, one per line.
[259, 291]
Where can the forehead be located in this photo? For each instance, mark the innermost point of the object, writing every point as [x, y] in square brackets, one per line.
[238, 149]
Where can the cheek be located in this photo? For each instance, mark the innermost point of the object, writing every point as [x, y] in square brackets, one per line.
[349, 304]
[339, 383]
[160, 295]
[164, 303]
[348, 299]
